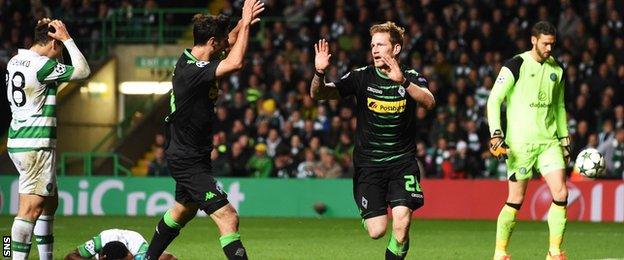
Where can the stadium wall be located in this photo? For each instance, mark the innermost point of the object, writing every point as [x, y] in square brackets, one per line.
[596, 201]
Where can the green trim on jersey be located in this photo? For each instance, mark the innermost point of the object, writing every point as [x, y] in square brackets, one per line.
[46, 70]
[48, 111]
[189, 55]
[33, 132]
[383, 76]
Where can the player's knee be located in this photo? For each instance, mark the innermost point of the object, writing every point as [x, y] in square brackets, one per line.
[30, 212]
[376, 232]
[226, 216]
[560, 194]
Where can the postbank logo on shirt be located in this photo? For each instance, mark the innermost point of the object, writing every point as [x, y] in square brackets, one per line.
[386, 107]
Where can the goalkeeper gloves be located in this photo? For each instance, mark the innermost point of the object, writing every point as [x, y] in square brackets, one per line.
[498, 147]
[565, 146]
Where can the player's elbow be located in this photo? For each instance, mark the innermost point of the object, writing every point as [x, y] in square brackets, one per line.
[82, 72]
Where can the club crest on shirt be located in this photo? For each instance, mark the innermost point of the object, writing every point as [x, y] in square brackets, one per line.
[553, 76]
[402, 91]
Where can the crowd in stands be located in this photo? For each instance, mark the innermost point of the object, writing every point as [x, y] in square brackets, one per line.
[268, 126]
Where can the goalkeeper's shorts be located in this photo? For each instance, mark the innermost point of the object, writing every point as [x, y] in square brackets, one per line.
[524, 157]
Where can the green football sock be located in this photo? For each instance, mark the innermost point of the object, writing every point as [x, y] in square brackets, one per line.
[504, 227]
[556, 225]
[397, 249]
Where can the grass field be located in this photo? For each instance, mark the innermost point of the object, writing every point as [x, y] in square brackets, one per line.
[295, 238]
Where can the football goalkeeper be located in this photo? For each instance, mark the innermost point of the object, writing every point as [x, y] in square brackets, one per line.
[532, 84]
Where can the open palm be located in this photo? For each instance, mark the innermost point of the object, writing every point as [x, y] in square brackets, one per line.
[321, 59]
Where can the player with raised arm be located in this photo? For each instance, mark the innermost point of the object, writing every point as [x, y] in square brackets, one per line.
[532, 83]
[32, 80]
[189, 129]
[114, 244]
[386, 170]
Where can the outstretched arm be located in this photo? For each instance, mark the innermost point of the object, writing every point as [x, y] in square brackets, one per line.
[319, 89]
[234, 59]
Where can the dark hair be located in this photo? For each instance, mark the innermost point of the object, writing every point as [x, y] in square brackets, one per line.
[114, 250]
[543, 27]
[206, 26]
[41, 33]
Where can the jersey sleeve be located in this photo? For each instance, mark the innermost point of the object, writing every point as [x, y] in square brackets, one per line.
[91, 247]
[416, 78]
[54, 71]
[504, 82]
[560, 112]
[347, 85]
[201, 72]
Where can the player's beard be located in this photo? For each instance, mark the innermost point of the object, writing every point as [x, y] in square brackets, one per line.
[542, 55]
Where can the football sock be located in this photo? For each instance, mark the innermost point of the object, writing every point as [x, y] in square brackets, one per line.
[395, 250]
[504, 227]
[556, 225]
[44, 237]
[21, 234]
[166, 231]
[232, 246]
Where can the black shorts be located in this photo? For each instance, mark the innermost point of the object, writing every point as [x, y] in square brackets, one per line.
[194, 184]
[376, 188]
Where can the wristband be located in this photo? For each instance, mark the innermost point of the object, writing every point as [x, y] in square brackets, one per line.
[320, 75]
[406, 84]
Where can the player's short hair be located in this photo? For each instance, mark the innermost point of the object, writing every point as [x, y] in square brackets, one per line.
[41, 33]
[114, 250]
[396, 32]
[543, 27]
[206, 26]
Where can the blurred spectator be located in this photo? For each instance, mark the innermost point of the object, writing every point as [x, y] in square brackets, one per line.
[327, 167]
[613, 152]
[220, 165]
[305, 169]
[260, 165]
[158, 167]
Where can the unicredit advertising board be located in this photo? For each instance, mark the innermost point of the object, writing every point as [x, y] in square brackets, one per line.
[599, 201]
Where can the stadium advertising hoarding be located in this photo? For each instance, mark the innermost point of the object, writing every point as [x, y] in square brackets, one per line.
[598, 201]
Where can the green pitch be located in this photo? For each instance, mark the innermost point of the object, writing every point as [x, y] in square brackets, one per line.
[294, 238]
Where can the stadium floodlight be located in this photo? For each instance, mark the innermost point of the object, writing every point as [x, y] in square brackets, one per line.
[144, 87]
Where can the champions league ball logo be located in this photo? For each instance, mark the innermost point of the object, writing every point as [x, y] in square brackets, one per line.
[541, 200]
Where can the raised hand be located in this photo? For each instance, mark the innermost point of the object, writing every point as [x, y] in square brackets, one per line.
[251, 9]
[322, 55]
[60, 32]
[257, 9]
[393, 71]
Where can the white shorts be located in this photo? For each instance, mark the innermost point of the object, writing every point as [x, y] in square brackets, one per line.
[37, 170]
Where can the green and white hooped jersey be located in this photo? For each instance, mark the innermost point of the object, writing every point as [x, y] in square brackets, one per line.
[31, 90]
[135, 243]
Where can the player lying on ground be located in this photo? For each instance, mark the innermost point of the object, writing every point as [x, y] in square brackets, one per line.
[532, 83]
[386, 169]
[32, 81]
[114, 244]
